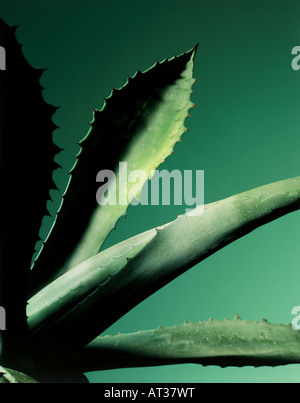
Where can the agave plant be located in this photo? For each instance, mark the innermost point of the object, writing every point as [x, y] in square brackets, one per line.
[58, 306]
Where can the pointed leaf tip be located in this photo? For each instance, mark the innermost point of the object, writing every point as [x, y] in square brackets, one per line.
[137, 135]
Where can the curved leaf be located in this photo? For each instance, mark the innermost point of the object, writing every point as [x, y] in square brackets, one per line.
[77, 307]
[139, 124]
[224, 343]
[11, 376]
[58, 299]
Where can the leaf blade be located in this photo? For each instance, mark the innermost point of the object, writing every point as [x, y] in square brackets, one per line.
[26, 166]
[226, 343]
[145, 118]
[170, 250]
[12, 376]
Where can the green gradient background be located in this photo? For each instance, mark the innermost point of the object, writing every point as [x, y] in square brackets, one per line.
[244, 133]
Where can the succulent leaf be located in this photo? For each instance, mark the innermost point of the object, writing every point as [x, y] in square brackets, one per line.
[11, 376]
[26, 166]
[139, 124]
[165, 253]
[58, 299]
[234, 342]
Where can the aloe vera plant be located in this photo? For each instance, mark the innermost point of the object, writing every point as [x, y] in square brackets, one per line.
[72, 279]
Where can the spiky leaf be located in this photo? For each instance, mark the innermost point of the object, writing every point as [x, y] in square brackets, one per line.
[234, 342]
[26, 165]
[11, 376]
[107, 286]
[139, 125]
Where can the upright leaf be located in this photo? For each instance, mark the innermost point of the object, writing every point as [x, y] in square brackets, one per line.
[139, 124]
[26, 166]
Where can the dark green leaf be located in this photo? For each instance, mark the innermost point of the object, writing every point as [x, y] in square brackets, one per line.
[139, 124]
[26, 166]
